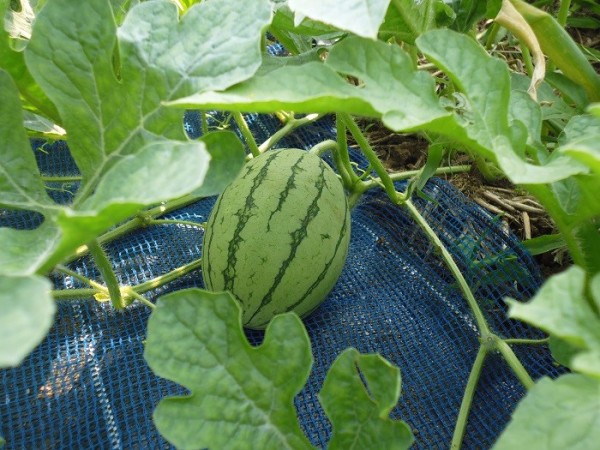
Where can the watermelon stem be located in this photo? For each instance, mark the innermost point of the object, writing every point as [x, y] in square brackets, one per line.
[291, 124]
[372, 158]
[482, 324]
[108, 274]
[245, 130]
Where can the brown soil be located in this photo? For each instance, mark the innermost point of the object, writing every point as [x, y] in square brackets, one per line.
[519, 210]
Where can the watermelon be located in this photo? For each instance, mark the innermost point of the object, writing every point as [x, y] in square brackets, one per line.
[278, 236]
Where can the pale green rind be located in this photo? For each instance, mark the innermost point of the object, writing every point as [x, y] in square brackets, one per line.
[556, 415]
[561, 309]
[20, 183]
[359, 413]
[361, 17]
[241, 396]
[287, 211]
[26, 314]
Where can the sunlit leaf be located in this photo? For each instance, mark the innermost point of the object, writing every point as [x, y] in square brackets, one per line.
[241, 396]
[359, 410]
[111, 107]
[361, 17]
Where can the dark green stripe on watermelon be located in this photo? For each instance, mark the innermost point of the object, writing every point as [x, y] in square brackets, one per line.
[278, 236]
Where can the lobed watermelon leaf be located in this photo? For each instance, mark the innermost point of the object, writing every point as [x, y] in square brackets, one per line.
[26, 314]
[361, 420]
[241, 396]
[562, 309]
[13, 62]
[109, 91]
[555, 415]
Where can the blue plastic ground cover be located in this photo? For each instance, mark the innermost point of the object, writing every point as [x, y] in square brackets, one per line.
[88, 386]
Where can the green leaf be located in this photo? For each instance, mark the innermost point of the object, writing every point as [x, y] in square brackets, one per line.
[391, 87]
[20, 182]
[553, 107]
[485, 126]
[24, 251]
[241, 396]
[159, 172]
[585, 150]
[469, 12]
[111, 103]
[579, 127]
[361, 17]
[26, 314]
[359, 411]
[14, 63]
[562, 309]
[406, 20]
[556, 415]
[227, 157]
[543, 244]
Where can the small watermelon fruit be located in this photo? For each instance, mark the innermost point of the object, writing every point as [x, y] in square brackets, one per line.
[278, 236]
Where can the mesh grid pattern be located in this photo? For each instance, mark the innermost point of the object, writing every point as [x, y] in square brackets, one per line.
[87, 385]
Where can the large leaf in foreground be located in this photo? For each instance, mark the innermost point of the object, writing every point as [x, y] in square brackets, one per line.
[484, 125]
[390, 87]
[361, 17]
[111, 106]
[159, 172]
[26, 314]
[20, 182]
[359, 410]
[556, 415]
[242, 396]
[562, 309]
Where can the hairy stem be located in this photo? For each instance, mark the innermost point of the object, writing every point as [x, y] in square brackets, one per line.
[245, 129]
[136, 222]
[130, 292]
[108, 274]
[168, 277]
[452, 266]
[63, 179]
[204, 122]
[341, 156]
[323, 147]
[465, 406]
[514, 363]
[527, 341]
[174, 222]
[291, 124]
[369, 153]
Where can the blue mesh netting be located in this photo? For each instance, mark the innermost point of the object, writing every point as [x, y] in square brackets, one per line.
[87, 384]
